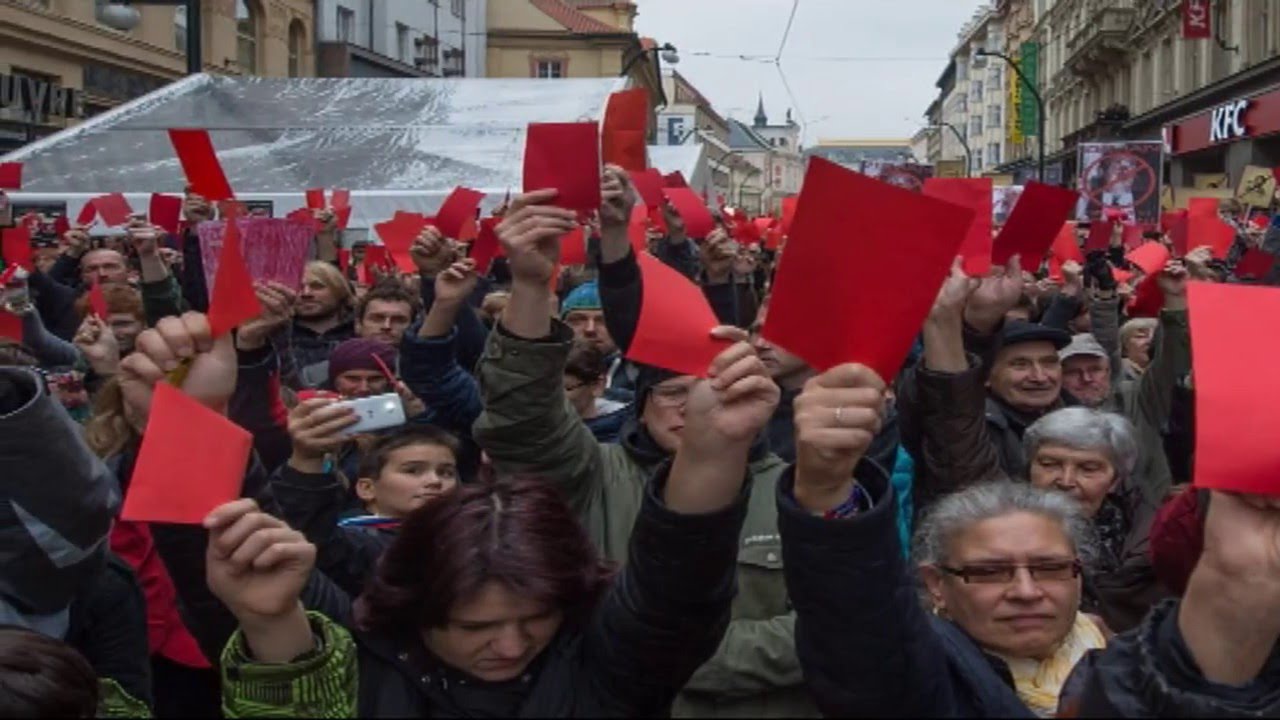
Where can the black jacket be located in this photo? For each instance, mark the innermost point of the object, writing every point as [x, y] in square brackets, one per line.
[108, 626]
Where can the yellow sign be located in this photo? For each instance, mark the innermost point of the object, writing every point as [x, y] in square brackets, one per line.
[1013, 128]
[1166, 198]
[1257, 187]
[1185, 195]
[999, 180]
[1210, 181]
[949, 169]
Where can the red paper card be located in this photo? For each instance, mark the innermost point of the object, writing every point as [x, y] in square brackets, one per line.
[1212, 231]
[98, 301]
[200, 164]
[398, 234]
[1034, 224]
[674, 329]
[302, 216]
[10, 325]
[573, 247]
[1133, 236]
[375, 256]
[486, 246]
[974, 194]
[315, 199]
[61, 226]
[191, 461]
[11, 176]
[675, 180]
[1150, 258]
[15, 246]
[165, 211]
[113, 208]
[637, 229]
[273, 249]
[341, 198]
[788, 213]
[1099, 236]
[1203, 207]
[1176, 225]
[87, 213]
[649, 186]
[564, 156]
[234, 299]
[457, 211]
[343, 215]
[698, 222]
[861, 243]
[1121, 276]
[1114, 215]
[1236, 448]
[626, 123]
[1255, 263]
[344, 260]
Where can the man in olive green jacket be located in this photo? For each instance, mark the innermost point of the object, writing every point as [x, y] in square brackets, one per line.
[529, 427]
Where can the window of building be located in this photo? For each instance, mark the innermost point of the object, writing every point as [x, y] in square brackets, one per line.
[402, 42]
[458, 8]
[346, 24]
[977, 162]
[247, 36]
[548, 69]
[180, 28]
[993, 153]
[1167, 85]
[454, 62]
[1258, 28]
[993, 116]
[1220, 60]
[297, 41]
[975, 125]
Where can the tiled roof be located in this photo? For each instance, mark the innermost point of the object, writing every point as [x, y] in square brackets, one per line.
[573, 19]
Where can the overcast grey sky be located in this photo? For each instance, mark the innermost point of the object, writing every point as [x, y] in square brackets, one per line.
[866, 98]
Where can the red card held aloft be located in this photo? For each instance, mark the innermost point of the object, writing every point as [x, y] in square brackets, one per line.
[1176, 224]
[1255, 263]
[1150, 258]
[15, 246]
[649, 186]
[234, 299]
[113, 208]
[398, 234]
[98, 301]
[191, 461]
[165, 211]
[675, 180]
[457, 211]
[1236, 449]
[674, 329]
[573, 247]
[1133, 236]
[564, 156]
[1210, 230]
[1099, 236]
[1034, 224]
[340, 198]
[974, 194]
[698, 222]
[200, 164]
[626, 123]
[11, 176]
[486, 246]
[638, 229]
[315, 199]
[1203, 207]
[860, 243]
[788, 213]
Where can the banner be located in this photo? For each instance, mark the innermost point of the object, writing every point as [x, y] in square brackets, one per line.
[1197, 20]
[1028, 110]
[1122, 176]
[1013, 116]
[905, 175]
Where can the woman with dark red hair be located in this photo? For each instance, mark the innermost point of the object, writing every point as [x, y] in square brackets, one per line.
[494, 602]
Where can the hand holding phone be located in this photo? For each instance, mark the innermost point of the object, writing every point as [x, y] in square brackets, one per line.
[376, 412]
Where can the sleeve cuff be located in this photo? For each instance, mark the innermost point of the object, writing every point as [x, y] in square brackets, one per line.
[620, 273]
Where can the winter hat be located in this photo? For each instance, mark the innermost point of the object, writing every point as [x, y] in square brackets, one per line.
[584, 297]
[358, 354]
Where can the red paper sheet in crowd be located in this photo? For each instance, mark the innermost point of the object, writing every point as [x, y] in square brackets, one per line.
[98, 301]
[191, 461]
[1202, 207]
[10, 325]
[458, 211]
[87, 213]
[11, 176]
[1100, 232]
[273, 249]
[675, 180]
[113, 208]
[344, 260]
[200, 164]
[698, 222]
[637, 229]
[649, 186]
[1133, 236]
[1148, 298]
[626, 129]
[303, 216]
[398, 234]
[375, 256]
[1255, 263]
[1212, 231]
[573, 247]
[564, 156]
[486, 246]
[232, 299]
[1175, 224]
[876, 252]
[974, 194]
[15, 246]
[1121, 276]
[788, 213]
[1236, 449]
[340, 198]
[1150, 258]
[674, 329]
[1114, 215]
[1033, 225]
[60, 226]
[165, 211]
[315, 199]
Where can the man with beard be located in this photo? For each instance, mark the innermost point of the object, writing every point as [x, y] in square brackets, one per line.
[321, 320]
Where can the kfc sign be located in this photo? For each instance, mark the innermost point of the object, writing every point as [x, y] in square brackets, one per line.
[1227, 122]
[1197, 22]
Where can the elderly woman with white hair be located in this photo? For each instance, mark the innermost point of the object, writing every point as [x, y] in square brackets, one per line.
[1136, 337]
[1003, 566]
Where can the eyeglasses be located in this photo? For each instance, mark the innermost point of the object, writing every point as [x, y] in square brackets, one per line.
[1004, 573]
[670, 396]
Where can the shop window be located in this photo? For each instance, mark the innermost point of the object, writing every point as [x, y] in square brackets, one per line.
[247, 21]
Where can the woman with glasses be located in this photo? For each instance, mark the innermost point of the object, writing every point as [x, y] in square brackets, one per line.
[1002, 566]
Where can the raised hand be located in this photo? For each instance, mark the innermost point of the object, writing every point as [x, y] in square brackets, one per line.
[730, 407]
[1173, 283]
[1072, 279]
[718, 252]
[143, 237]
[617, 198]
[277, 310]
[837, 415]
[530, 235]
[997, 294]
[98, 345]
[210, 379]
[456, 282]
[317, 427]
[1197, 262]
[76, 241]
[432, 252]
[954, 294]
[675, 223]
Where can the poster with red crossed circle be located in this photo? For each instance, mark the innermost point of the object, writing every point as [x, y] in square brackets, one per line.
[910, 176]
[1122, 176]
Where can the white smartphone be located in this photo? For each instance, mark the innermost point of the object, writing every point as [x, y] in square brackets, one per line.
[376, 412]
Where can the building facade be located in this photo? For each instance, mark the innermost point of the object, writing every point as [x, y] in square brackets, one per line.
[690, 119]
[61, 62]
[785, 169]
[406, 38]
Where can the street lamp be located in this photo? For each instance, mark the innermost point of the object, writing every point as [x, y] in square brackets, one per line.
[980, 52]
[669, 56]
[968, 154]
[121, 15]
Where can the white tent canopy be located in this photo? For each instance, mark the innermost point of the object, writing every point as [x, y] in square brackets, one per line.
[689, 160]
[395, 143]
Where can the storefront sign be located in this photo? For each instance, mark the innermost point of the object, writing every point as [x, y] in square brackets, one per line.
[1247, 117]
[1227, 122]
[44, 99]
[1197, 23]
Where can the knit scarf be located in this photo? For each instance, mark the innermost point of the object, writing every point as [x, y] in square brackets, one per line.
[1039, 682]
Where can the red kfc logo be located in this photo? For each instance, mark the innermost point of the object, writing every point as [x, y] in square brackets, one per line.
[1196, 21]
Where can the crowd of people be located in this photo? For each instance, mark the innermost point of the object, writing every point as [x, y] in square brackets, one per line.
[1006, 527]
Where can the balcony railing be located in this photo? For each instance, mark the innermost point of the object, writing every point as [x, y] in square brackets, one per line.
[1098, 39]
